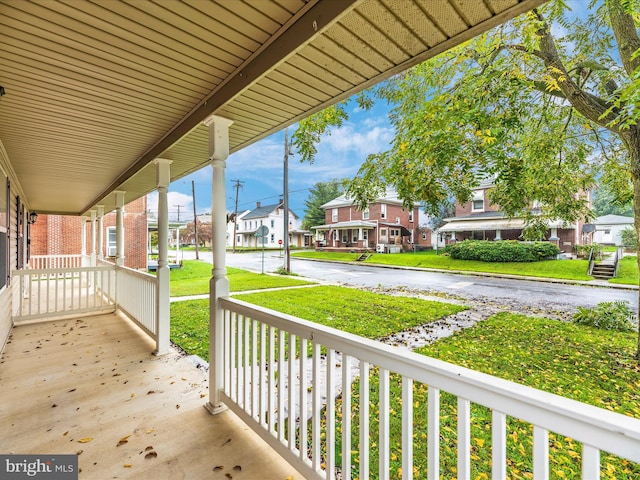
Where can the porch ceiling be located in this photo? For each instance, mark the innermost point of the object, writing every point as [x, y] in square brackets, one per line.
[95, 91]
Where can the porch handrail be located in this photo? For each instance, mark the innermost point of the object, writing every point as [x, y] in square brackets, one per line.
[260, 358]
[47, 293]
[37, 262]
[136, 297]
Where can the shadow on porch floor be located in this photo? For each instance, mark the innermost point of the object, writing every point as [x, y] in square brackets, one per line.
[91, 386]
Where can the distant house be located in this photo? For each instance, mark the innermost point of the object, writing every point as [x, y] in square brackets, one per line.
[385, 226]
[271, 217]
[233, 227]
[55, 235]
[479, 219]
[609, 227]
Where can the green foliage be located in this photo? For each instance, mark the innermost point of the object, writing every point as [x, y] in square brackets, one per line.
[319, 194]
[593, 249]
[629, 238]
[502, 251]
[607, 316]
[607, 201]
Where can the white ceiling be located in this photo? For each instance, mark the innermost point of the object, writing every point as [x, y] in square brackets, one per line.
[96, 90]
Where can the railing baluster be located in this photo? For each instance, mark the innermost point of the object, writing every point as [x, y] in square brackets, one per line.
[433, 433]
[590, 462]
[331, 414]
[304, 385]
[233, 364]
[364, 419]
[464, 439]
[255, 372]
[272, 382]
[498, 445]
[383, 442]
[317, 407]
[247, 371]
[291, 388]
[281, 384]
[407, 428]
[346, 416]
[540, 453]
[263, 383]
[227, 336]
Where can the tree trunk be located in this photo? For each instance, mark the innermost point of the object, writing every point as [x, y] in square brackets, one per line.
[632, 143]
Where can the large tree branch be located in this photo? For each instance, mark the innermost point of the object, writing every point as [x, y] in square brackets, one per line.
[588, 105]
[626, 35]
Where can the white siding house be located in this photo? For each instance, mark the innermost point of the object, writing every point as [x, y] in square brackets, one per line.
[609, 228]
[271, 216]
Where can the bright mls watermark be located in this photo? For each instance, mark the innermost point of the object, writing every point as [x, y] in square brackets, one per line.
[46, 467]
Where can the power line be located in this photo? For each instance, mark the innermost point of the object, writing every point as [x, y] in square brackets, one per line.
[238, 185]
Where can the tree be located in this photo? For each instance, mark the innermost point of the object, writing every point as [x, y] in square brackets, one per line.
[188, 233]
[319, 194]
[543, 104]
[604, 203]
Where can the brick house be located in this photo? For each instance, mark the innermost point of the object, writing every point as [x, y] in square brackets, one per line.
[479, 219]
[385, 226]
[62, 235]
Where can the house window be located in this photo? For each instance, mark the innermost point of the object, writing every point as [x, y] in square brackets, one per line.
[424, 235]
[477, 204]
[345, 236]
[111, 242]
[335, 235]
[245, 225]
[383, 210]
[365, 235]
[334, 214]
[239, 240]
[394, 232]
[383, 232]
[411, 216]
[273, 223]
[273, 238]
[365, 213]
[397, 219]
[354, 236]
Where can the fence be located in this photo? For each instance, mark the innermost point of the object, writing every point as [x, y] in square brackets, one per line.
[46, 262]
[325, 400]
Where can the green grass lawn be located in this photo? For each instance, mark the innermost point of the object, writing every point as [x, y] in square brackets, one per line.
[627, 271]
[363, 313]
[582, 363]
[565, 269]
[193, 279]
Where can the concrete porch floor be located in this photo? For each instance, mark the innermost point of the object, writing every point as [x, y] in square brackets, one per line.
[91, 386]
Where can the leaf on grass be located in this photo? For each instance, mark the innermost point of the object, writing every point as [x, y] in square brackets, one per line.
[85, 440]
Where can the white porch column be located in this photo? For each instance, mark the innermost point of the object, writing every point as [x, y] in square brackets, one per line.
[100, 232]
[119, 227]
[163, 178]
[219, 284]
[92, 238]
[83, 241]
[498, 234]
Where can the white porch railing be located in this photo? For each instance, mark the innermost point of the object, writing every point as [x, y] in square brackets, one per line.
[263, 384]
[49, 293]
[136, 297]
[46, 293]
[42, 262]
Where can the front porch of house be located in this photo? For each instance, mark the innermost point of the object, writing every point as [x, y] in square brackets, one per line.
[89, 385]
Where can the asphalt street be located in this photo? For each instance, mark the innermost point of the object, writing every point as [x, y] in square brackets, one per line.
[535, 294]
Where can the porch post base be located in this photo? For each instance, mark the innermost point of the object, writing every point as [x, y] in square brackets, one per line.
[159, 353]
[215, 409]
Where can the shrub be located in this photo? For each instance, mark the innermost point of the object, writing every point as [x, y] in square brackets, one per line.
[629, 238]
[583, 251]
[502, 251]
[607, 316]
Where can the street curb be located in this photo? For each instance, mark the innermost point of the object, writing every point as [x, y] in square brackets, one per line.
[587, 283]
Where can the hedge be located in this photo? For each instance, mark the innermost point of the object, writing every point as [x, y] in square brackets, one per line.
[502, 251]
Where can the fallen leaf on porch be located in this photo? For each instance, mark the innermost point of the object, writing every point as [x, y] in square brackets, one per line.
[151, 455]
[183, 379]
[123, 440]
[65, 433]
[148, 448]
[54, 405]
[177, 406]
[133, 395]
[217, 468]
[72, 390]
[151, 430]
[85, 440]
[237, 468]
[224, 443]
[127, 465]
[228, 475]
[290, 477]
[202, 395]
[79, 452]
[150, 392]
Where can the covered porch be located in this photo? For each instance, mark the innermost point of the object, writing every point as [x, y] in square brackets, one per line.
[174, 87]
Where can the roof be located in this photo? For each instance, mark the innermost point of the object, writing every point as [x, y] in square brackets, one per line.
[343, 200]
[348, 224]
[482, 224]
[264, 211]
[613, 220]
[96, 91]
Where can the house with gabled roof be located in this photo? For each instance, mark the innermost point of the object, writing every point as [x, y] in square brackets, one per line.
[270, 216]
[385, 225]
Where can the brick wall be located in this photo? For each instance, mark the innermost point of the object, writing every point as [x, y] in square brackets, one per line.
[62, 234]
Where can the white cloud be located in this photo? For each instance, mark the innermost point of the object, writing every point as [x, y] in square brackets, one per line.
[175, 201]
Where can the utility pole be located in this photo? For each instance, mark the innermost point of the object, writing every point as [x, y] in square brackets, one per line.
[238, 185]
[179, 207]
[195, 216]
[287, 264]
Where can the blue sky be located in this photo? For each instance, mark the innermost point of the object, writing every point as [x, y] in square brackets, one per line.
[260, 167]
